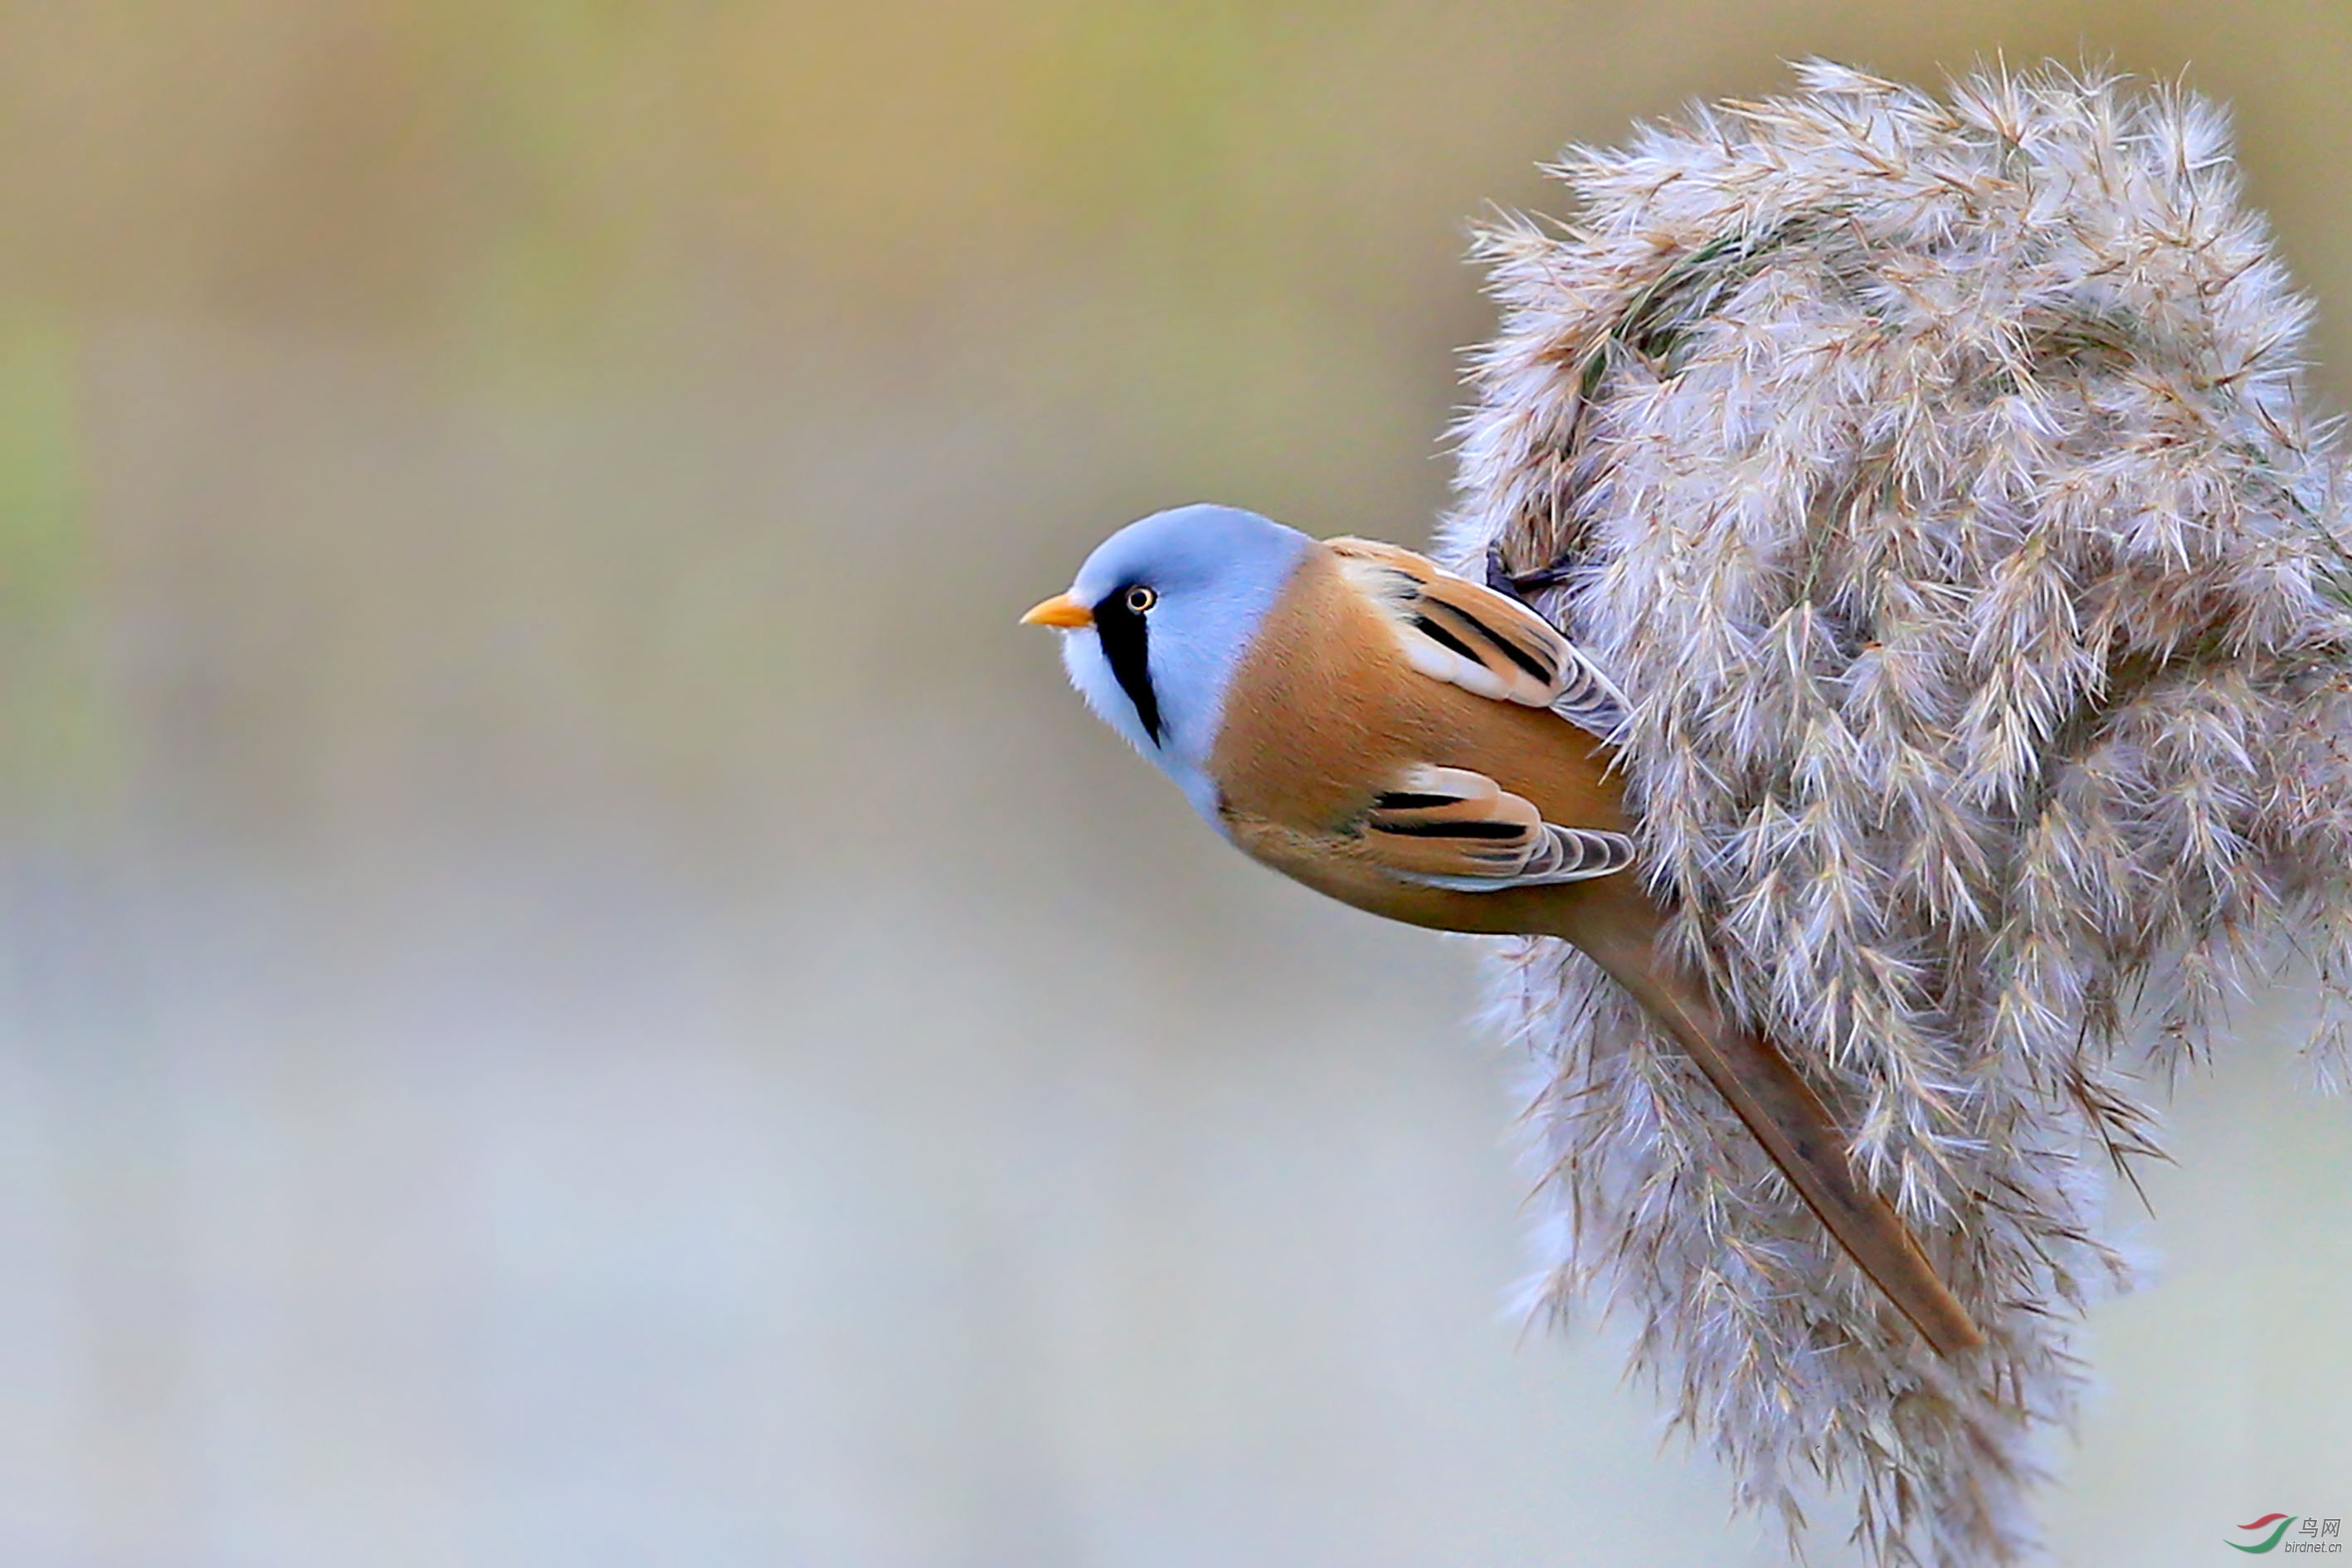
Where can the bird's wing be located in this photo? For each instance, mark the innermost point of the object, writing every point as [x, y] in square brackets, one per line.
[1451, 829]
[1455, 630]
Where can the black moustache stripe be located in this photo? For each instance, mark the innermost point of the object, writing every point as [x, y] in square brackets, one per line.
[1405, 800]
[1124, 637]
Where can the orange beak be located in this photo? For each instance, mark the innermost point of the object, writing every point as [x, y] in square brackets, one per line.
[1060, 612]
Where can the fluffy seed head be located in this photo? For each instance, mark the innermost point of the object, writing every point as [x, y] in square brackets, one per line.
[1936, 478]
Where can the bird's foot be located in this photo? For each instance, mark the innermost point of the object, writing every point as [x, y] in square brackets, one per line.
[1519, 584]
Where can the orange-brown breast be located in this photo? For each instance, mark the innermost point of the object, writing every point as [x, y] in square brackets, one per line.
[1325, 712]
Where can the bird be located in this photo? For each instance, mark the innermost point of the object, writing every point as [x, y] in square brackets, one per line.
[1432, 749]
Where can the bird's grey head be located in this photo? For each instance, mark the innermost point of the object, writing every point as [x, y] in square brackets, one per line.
[1157, 619]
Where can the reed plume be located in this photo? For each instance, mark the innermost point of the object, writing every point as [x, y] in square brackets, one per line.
[1938, 477]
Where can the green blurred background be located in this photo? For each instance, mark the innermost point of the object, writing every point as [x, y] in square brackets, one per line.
[572, 988]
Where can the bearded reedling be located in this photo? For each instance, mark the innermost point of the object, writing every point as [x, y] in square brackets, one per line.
[1427, 749]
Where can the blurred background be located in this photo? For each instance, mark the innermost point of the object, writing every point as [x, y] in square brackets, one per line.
[573, 990]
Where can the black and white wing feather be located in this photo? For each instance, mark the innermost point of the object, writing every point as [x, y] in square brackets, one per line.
[1451, 829]
[1455, 630]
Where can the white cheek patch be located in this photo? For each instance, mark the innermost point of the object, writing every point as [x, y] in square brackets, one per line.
[1090, 672]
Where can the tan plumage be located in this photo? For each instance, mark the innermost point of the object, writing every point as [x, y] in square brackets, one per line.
[1427, 749]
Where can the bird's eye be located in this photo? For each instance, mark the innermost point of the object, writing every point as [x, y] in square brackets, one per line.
[1141, 598]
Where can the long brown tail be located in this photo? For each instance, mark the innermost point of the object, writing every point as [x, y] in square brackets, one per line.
[1618, 927]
